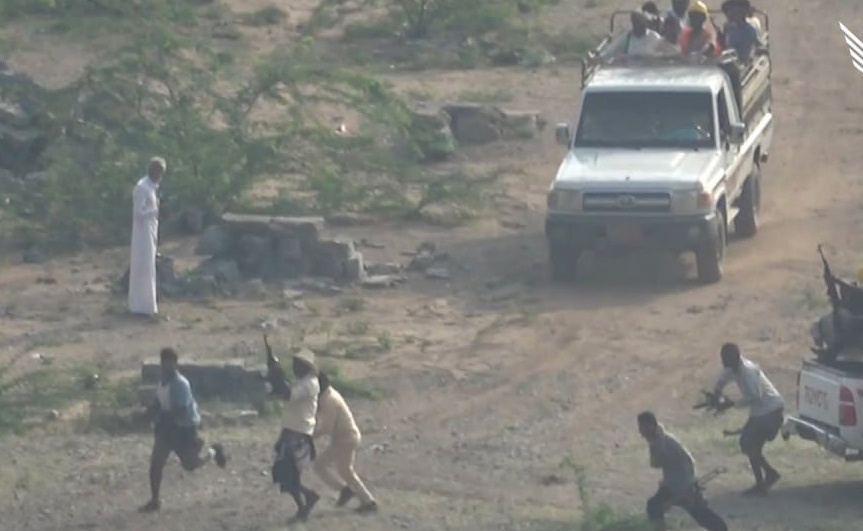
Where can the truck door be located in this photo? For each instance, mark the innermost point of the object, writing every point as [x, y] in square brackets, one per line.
[736, 164]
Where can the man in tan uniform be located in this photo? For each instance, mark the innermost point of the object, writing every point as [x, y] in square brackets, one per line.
[336, 421]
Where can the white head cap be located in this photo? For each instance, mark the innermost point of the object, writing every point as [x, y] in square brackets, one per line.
[160, 162]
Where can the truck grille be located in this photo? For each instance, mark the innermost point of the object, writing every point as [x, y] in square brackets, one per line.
[621, 202]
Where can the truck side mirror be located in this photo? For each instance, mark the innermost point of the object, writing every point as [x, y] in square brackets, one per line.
[736, 133]
[561, 134]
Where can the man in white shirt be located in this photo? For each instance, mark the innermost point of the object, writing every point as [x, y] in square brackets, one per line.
[765, 412]
[336, 421]
[639, 41]
[295, 448]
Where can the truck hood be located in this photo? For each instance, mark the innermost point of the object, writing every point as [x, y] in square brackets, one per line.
[670, 168]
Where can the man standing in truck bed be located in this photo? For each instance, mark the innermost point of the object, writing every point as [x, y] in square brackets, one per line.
[765, 412]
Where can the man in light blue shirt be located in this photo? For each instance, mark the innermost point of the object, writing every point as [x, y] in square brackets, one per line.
[176, 429]
[740, 35]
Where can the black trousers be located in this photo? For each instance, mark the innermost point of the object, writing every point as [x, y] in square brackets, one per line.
[693, 503]
[758, 431]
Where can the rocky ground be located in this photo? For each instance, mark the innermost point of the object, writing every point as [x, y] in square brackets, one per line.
[492, 376]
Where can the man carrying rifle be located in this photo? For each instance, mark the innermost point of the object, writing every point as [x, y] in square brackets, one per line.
[295, 449]
[765, 412]
[679, 485]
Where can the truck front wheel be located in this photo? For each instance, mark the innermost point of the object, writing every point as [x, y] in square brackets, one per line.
[711, 252]
[746, 222]
[562, 262]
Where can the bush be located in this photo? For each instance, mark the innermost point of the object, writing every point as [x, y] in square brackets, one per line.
[602, 517]
[159, 95]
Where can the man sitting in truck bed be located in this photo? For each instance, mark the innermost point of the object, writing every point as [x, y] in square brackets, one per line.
[700, 36]
[740, 34]
[640, 40]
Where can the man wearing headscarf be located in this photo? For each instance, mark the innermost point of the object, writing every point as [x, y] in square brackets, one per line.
[700, 36]
[145, 235]
[295, 449]
[336, 421]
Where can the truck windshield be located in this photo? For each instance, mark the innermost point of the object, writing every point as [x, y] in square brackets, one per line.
[646, 120]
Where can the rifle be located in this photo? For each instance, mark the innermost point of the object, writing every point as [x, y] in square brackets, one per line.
[832, 293]
[718, 403]
[700, 484]
[275, 373]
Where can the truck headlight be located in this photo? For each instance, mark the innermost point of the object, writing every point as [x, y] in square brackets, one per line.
[567, 200]
[691, 201]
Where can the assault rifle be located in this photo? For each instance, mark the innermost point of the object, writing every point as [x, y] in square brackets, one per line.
[275, 373]
[717, 403]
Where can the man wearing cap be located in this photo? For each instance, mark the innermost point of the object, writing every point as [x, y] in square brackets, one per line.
[336, 421]
[295, 448]
[765, 413]
[699, 37]
[145, 234]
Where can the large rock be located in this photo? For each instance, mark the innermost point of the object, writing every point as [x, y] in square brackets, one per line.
[474, 123]
[307, 228]
[432, 131]
[520, 124]
[215, 241]
[338, 259]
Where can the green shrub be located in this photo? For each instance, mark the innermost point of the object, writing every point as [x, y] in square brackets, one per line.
[158, 95]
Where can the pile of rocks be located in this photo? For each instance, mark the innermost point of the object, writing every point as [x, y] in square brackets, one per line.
[251, 250]
[276, 248]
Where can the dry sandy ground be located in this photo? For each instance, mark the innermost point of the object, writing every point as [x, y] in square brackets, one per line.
[496, 376]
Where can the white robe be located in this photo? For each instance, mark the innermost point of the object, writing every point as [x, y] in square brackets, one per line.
[145, 233]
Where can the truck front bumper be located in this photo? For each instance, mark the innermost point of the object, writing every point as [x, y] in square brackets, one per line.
[813, 432]
[614, 232]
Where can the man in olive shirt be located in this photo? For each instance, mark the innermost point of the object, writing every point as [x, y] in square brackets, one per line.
[679, 485]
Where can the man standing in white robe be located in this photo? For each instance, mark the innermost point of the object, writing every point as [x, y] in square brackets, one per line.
[145, 235]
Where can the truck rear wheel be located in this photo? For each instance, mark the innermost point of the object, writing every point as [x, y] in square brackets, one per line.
[746, 222]
[711, 253]
[563, 262]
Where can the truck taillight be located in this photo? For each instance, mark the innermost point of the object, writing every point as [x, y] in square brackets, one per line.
[847, 410]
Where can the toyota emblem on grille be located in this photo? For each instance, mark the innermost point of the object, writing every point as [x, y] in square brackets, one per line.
[626, 201]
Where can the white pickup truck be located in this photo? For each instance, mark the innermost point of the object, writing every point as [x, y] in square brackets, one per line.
[830, 384]
[830, 407]
[665, 153]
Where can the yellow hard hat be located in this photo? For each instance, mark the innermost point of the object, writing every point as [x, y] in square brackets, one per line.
[699, 7]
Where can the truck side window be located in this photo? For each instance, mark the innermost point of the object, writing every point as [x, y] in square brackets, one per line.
[722, 109]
